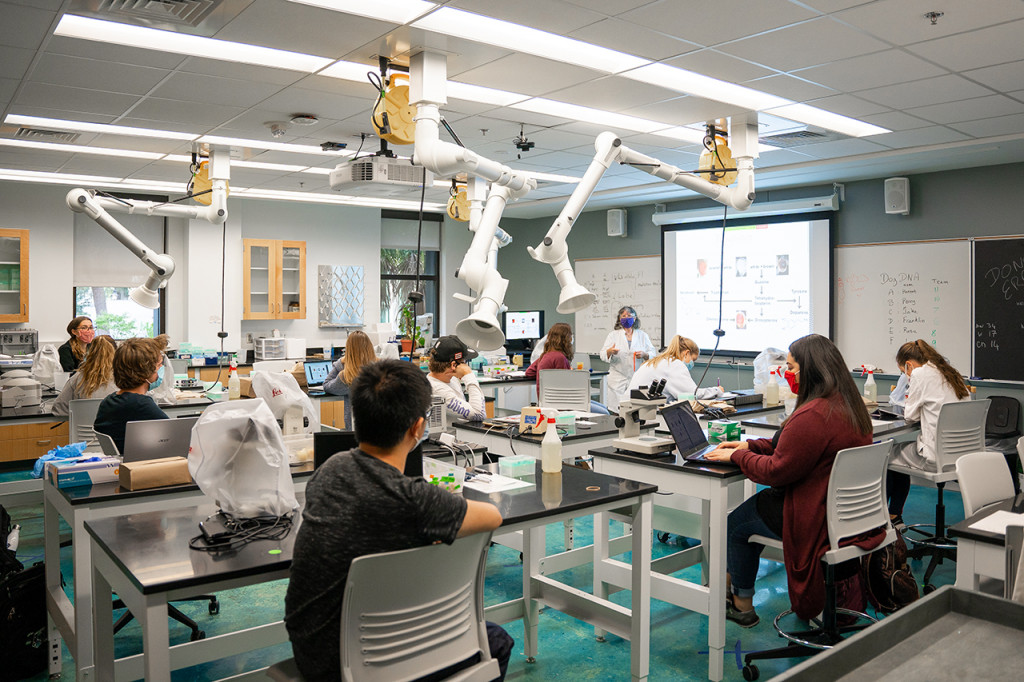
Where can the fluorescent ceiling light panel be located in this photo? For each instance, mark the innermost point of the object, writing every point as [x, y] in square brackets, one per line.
[104, 128]
[349, 71]
[481, 29]
[805, 113]
[160, 185]
[259, 165]
[274, 146]
[684, 133]
[395, 11]
[73, 26]
[79, 149]
[550, 177]
[317, 170]
[587, 115]
[697, 84]
[483, 95]
[64, 178]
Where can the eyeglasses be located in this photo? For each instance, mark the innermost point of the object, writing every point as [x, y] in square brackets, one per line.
[427, 415]
[83, 328]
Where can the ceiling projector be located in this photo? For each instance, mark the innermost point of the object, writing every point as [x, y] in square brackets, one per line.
[379, 170]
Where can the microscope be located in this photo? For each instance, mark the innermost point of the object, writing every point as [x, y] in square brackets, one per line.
[641, 406]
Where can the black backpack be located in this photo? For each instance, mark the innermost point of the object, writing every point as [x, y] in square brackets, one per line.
[22, 612]
[887, 577]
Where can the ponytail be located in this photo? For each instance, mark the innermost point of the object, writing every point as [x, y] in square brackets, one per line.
[921, 352]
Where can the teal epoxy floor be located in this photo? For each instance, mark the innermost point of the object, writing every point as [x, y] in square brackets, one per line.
[568, 649]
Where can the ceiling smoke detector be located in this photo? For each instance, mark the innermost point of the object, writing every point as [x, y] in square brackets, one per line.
[304, 119]
[277, 128]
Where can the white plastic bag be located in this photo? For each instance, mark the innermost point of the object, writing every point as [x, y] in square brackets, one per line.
[281, 392]
[238, 458]
[899, 394]
[164, 393]
[765, 361]
[45, 363]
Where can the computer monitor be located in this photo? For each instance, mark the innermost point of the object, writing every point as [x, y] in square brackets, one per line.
[317, 372]
[526, 325]
[327, 443]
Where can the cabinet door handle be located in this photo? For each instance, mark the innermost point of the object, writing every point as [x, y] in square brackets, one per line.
[43, 442]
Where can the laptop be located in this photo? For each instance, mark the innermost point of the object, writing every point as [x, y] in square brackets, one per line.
[316, 375]
[686, 431]
[156, 438]
[889, 412]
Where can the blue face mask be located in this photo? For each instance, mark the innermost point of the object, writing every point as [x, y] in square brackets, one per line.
[426, 432]
[689, 365]
[627, 322]
[159, 379]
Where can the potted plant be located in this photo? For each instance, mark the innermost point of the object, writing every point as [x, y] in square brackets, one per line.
[412, 338]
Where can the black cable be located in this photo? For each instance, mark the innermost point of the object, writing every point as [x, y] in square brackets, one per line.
[223, 270]
[377, 82]
[719, 332]
[451, 132]
[244, 531]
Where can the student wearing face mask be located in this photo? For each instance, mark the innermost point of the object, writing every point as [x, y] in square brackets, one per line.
[625, 348]
[136, 370]
[673, 365]
[72, 351]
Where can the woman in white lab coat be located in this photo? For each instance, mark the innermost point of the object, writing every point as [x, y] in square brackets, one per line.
[933, 383]
[625, 348]
[674, 365]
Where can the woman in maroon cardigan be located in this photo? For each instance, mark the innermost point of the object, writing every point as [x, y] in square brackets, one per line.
[830, 416]
[557, 354]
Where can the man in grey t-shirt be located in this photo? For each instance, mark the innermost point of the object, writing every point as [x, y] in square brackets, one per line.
[359, 502]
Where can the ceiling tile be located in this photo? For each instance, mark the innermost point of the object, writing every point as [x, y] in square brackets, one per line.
[789, 87]
[316, 102]
[871, 71]
[990, 127]
[924, 92]
[918, 138]
[53, 5]
[830, 150]
[610, 7]
[1004, 77]
[156, 109]
[969, 109]
[545, 76]
[301, 28]
[192, 87]
[245, 72]
[835, 5]
[57, 69]
[847, 105]
[74, 99]
[31, 160]
[613, 93]
[91, 164]
[685, 18]
[7, 88]
[803, 45]
[14, 61]
[684, 110]
[554, 16]
[984, 47]
[108, 52]
[713, 63]
[780, 157]
[895, 120]
[902, 22]
[24, 26]
[633, 39]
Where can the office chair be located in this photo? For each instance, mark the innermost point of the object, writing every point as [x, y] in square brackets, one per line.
[1002, 431]
[960, 430]
[107, 445]
[983, 479]
[856, 504]
[413, 627]
[564, 389]
[82, 414]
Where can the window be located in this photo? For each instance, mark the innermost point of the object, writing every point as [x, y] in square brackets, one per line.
[113, 313]
[398, 240]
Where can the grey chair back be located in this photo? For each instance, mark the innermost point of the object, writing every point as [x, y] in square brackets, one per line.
[960, 430]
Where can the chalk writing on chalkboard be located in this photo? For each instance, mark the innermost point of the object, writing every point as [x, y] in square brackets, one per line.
[1007, 279]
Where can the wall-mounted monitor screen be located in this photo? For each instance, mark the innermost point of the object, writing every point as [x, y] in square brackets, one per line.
[524, 325]
[776, 277]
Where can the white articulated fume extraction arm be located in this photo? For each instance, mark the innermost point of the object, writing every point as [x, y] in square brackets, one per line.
[553, 249]
[160, 264]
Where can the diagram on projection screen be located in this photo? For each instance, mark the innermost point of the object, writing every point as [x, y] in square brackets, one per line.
[775, 283]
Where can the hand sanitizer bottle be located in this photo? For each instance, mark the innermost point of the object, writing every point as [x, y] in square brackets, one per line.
[551, 450]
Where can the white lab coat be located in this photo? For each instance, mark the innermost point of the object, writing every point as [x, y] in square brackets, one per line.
[676, 374]
[927, 394]
[622, 365]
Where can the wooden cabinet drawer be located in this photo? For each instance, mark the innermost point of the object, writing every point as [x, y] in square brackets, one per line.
[37, 430]
[30, 448]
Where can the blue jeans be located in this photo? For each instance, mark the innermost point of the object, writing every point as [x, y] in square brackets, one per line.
[742, 557]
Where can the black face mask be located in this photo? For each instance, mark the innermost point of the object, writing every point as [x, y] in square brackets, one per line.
[414, 462]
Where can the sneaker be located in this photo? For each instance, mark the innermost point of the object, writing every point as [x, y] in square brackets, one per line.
[745, 619]
[898, 524]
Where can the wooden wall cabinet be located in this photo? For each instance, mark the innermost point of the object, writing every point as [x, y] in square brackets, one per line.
[20, 442]
[275, 279]
[13, 275]
[332, 413]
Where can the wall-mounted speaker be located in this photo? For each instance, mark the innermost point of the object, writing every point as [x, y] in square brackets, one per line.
[617, 222]
[897, 196]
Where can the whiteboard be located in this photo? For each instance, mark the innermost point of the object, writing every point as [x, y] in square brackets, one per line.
[631, 280]
[888, 294]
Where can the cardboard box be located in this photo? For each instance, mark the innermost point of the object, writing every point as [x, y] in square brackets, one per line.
[154, 473]
[299, 372]
[245, 387]
[69, 473]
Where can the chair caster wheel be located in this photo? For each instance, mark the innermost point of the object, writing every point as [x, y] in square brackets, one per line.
[196, 636]
[750, 672]
[214, 608]
[928, 589]
[663, 538]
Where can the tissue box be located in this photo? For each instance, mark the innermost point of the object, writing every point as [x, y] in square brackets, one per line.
[722, 430]
[154, 473]
[520, 465]
[74, 472]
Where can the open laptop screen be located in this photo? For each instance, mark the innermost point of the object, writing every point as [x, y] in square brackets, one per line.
[684, 426]
[156, 438]
[316, 372]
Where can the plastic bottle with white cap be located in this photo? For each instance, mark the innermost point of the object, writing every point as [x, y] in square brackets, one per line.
[551, 450]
